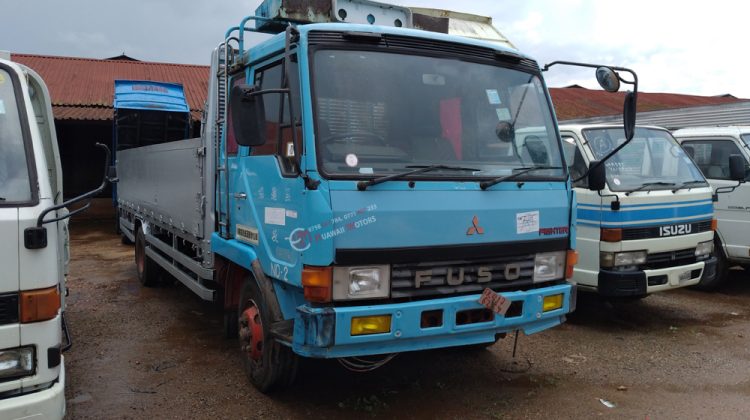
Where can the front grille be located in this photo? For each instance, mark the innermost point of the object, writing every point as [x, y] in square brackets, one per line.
[9, 308]
[656, 231]
[433, 277]
[670, 259]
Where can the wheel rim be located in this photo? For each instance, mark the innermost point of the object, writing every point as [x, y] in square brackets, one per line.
[251, 332]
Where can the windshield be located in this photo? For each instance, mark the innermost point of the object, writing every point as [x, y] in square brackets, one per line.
[14, 172]
[652, 157]
[746, 139]
[382, 113]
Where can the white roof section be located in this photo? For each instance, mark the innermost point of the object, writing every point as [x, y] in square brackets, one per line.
[467, 25]
[732, 131]
[737, 113]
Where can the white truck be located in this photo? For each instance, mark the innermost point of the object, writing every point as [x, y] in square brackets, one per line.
[651, 227]
[711, 148]
[33, 249]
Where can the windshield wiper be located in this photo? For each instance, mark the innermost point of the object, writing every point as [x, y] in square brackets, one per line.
[362, 185]
[486, 184]
[689, 185]
[650, 184]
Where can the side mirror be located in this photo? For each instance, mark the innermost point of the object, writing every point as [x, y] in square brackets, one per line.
[737, 168]
[597, 175]
[628, 115]
[248, 115]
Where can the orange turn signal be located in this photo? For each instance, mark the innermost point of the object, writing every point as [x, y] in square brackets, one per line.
[39, 305]
[611, 235]
[714, 224]
[316, 282]
[570, 262]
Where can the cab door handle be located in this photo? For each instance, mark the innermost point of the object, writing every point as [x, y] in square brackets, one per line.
[240, 196]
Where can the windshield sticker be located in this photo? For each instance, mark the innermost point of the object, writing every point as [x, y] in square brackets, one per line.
[275, 216]
[366, 171]
[493, 97]
[503, 114]
[616, 181]
[351, 160]
[527, 222]
[2, 107]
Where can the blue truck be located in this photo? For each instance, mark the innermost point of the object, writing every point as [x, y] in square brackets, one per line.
[356, 191]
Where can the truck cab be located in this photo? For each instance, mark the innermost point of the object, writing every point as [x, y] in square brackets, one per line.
[710, 148]
[651, 227]
[32, 284]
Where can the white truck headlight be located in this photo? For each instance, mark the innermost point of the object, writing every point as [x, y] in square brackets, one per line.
[622, 259]
[549, 266]
[16, 362]
[366, 282]
[704, 248]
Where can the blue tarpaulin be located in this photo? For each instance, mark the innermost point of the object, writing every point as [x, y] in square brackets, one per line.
[143, 94]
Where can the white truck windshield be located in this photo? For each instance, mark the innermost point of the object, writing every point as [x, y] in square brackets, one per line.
[746, 139]
[652, 160]
[379, 113]
[14, 171]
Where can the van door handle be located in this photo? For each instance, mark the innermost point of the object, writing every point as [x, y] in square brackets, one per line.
[240, 196]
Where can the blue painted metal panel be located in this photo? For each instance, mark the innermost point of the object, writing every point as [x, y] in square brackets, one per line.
[406, 333]
[155, 96]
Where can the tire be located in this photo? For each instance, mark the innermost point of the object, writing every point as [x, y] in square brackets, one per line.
[149, 272]
[269, 365]
[722, 270]
[231, 324]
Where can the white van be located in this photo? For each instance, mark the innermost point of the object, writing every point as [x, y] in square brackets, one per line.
[33, 249]
[651, 227]
[711, 148]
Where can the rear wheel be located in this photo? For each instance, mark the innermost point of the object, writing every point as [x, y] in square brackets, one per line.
[269, 365]
[149, 272]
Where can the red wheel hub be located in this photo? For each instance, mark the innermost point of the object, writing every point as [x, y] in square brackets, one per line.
[251, 332]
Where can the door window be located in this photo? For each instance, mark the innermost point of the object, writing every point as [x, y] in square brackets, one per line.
[712, 156]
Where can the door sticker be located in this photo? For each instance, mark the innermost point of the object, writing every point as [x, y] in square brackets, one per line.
[275, 216]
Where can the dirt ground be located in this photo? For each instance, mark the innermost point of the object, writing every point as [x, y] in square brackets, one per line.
[159, 353]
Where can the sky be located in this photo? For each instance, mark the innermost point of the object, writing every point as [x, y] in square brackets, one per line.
[701, 49]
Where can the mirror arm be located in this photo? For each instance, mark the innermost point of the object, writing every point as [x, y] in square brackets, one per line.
[725, 190]
[40, 220]
[614, 205]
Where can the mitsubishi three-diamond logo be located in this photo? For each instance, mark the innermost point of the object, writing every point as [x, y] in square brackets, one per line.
[475, 228]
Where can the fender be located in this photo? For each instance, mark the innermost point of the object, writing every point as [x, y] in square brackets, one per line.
[235, 251]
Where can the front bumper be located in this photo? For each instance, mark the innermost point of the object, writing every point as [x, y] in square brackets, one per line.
[645, 282]
[325, 332]
[45, 404]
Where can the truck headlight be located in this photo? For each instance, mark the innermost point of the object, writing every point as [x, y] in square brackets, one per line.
[367, 282]
[16, 362]
[704, 249]
[549, 266]
[622, 259]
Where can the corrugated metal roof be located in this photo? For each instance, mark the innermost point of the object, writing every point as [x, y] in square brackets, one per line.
[83, 88]
[577, 103]
[672, 119]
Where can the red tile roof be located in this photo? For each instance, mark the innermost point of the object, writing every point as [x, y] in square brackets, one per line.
[578, 102]
[83, 88]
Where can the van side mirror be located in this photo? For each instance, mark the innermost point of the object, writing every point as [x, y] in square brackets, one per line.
[737, 168]
[597, 175]
[248, 115]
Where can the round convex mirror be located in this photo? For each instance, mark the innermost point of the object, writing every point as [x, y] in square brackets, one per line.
[608, 79]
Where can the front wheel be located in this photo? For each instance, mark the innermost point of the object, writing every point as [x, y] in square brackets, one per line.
[269, 365]
[722, 269]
